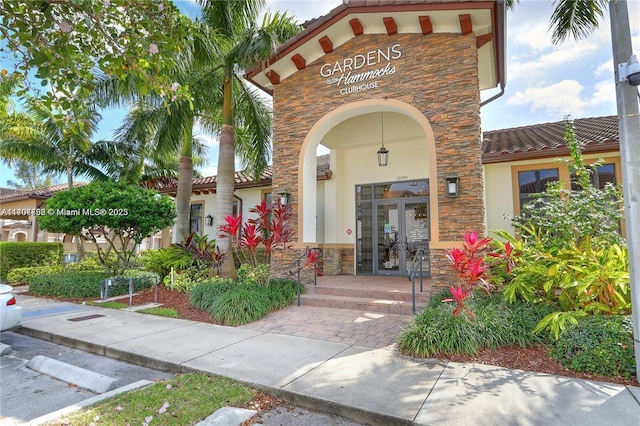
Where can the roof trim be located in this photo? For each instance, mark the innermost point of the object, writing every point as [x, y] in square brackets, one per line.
[315, 27]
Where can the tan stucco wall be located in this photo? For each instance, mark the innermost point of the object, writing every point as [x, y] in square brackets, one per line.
[501, 183]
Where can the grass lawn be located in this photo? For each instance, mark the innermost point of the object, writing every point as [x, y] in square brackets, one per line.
[183, 400]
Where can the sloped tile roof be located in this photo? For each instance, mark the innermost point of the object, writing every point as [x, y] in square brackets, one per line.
[243, 179]
[597, 134]
[40, 193]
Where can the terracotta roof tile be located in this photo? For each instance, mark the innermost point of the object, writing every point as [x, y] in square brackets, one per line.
[40, 193]
[598, 134]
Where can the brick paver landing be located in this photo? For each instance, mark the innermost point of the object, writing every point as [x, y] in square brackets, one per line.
[358, 328]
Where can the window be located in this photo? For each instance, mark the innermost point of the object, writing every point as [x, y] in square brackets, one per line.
[267, 196]
[532, 182]
[195, 219]
[601, 175]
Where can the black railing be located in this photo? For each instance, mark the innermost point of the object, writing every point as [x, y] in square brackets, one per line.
[299, 267]
[120, 281]
[417, 268]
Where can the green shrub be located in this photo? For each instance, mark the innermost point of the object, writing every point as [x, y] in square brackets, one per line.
[144, 278]
[84, 284]
[185, 280]
[92, 263]
[26, 254]
[204, 294]
[598, 344]
[68, 284]
[161, 261]
[258, 274]
[240, 305]
[436, 331]
[24, 275]
[19, 276]
[281, 292]
[234, 303]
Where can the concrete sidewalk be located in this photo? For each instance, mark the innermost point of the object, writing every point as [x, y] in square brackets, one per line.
[375, 386]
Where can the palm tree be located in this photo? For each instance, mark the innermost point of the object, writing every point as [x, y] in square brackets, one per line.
[47, 139]
[162, 125]
[132, 156]
[243, 44]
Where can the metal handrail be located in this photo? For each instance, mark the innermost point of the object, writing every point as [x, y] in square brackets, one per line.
[416, 265]
[300, 267]
[118, 280]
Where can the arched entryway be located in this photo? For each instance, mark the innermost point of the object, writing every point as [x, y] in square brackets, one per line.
[330, 214]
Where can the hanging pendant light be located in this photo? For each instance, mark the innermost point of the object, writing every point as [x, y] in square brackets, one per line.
[383, 153]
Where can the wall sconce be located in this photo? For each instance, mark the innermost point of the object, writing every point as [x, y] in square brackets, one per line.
[28, 224]
[383, 153]
[208, 220]
[283, 197]
[451, 182]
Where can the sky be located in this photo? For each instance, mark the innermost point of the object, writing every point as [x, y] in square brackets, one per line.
[545, 82]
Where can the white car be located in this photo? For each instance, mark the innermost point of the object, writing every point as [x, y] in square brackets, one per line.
[10, 311]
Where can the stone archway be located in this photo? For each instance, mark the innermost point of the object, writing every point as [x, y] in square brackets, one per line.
[307, 206]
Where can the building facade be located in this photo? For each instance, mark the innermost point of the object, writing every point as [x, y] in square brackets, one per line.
[402, 76]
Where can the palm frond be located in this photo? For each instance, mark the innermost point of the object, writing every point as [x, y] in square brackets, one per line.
[253, 128]
[576, 18]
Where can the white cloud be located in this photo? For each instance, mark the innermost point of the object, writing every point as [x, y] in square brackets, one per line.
[535, 37]
[565, 97]
[535, 66]
[209, 171]
[557, 99]
[605, 68]
[604, 93]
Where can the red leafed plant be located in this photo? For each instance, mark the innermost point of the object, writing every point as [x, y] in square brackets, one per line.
[471, 271]
[314, 259]
[271, 228]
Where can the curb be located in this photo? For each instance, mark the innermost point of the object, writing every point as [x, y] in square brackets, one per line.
[302, 400]
[87, 402]
[83, 378]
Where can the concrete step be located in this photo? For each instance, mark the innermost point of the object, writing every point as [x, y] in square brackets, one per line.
[370, 293]
[388, 306]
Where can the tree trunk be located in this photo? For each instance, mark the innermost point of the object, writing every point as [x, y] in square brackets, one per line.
[183, 199]
[225, 180]
[185, 184]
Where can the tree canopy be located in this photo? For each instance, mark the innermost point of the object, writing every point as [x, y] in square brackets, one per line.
[61, 43]
[121, 214]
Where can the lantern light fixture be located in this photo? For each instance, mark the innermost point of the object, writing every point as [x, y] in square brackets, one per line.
[452, 183]
[208, 220]
[383, 153]
[283, 197]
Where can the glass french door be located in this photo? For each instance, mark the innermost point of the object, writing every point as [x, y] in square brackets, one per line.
[401, 228]
[392, 224]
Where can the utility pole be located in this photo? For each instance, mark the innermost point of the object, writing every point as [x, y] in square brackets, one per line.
[629, 134]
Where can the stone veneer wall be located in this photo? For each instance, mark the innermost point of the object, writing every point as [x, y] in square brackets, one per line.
[437, 74]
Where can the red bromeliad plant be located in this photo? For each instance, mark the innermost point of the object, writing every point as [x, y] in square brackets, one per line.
[313, 259]
[471, 270]
[272, 229]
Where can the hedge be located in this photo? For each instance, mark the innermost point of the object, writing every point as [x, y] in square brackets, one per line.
[237, 304]
[26, 254]
[84, 284]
